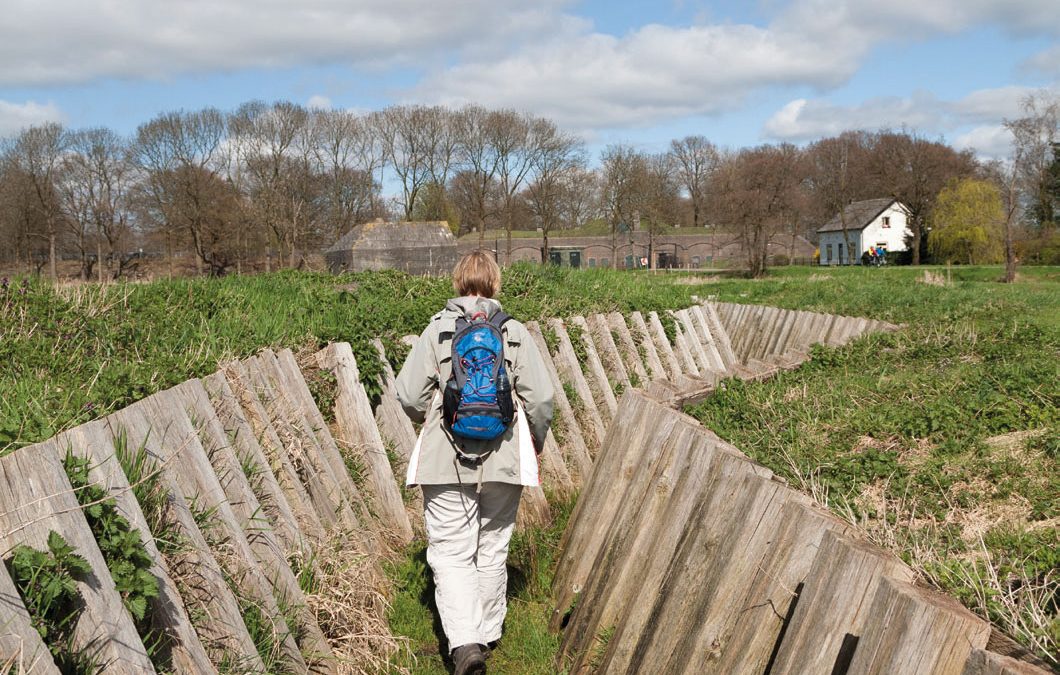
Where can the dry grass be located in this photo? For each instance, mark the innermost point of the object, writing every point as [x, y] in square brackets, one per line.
[933, 279]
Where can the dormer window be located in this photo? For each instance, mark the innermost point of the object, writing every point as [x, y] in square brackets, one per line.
[886, 221]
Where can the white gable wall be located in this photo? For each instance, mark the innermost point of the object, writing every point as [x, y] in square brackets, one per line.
[892, 237]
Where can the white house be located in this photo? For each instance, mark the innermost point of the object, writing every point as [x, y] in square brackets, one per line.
[882, 223]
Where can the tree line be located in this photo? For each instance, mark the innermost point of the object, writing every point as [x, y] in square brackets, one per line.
[268, 183]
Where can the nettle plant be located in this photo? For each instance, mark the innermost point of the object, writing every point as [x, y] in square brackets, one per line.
[47, 582]
[121, 545]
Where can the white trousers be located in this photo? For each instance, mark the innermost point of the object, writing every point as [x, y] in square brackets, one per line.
[467, 547]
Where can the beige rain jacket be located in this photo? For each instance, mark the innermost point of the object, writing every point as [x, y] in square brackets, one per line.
[419, 385]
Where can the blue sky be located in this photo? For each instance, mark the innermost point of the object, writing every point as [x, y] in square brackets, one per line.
[740, 73]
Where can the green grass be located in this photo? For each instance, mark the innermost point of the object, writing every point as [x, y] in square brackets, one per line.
[527, 646]
[914, 433]
[76, 353]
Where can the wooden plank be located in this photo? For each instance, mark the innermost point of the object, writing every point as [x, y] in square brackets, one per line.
[254, 521]
[834, 604]
[21, 649]
[642, 336]
[36, 498]
[589, 415]
[694, 342]
[554, 472]
[188, 461]
[683, 349]
[663, 346]
[303, 449]
[595, 374]
[608, 350]
[194, 568]
[744, 646]
[358, 431]
[94, 442]
[720, 333]
[291, 384]
[627, 348]
[574, 452]
[982, 662]
[397, 431]
[394, 425]
[707, 338]
[310, 507]
[705, 576]
[635, 566]
[632, 443]
[915, 630]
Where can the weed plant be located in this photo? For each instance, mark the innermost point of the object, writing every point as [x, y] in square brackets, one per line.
[939, 439]
[47, 583]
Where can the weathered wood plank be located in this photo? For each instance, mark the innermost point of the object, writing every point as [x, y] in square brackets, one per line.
[574, 452]
[36, 498]
[617, 375]
[589, 415]
[915, 630]
[188, 461]
[595, 374]
[699, 322]
[94, 442]
[982, 662]
[834, 604]
[357, 429]
[745, 646]
[694, 342]
[663, 346]
[193, 567]
[627, 347]
[307, 509]
[721, 334]
[683, 349]
[254, 521]
[642, 336]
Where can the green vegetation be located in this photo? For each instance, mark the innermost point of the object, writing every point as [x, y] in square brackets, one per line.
[940, 438]
[74, 353]
[527, 646]
[47, 582]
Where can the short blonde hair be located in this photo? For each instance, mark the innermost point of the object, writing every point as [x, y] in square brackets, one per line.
[477, 273]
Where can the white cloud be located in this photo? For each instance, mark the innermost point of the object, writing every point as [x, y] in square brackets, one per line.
[1046, 62]
[69, 41]
[319, 102]
[14, 117]
[802, 120]
[990, 142]
[593, 80]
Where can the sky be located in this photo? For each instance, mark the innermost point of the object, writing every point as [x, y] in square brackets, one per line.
[739, 73]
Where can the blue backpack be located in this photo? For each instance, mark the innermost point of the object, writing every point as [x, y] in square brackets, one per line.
[477, 400]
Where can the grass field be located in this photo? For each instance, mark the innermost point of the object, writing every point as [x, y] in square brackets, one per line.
[941, 439]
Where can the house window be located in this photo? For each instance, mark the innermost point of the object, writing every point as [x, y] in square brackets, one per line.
[605, 262]
[840, 249]
[886, 221]
[592, 262]
[828, 253]
[695, 261]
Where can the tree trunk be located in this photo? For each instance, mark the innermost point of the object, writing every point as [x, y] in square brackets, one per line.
[544, 249]
[51, 254]
[917, 236]
[99, 258]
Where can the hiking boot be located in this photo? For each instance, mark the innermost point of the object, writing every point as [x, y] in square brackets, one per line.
[469, 660]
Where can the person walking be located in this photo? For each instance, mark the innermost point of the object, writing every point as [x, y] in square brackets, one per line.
[484, 422]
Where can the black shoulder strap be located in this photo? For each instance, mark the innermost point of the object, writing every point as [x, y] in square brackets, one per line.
[498, 319]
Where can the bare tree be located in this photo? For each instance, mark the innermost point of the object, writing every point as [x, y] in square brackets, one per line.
[517, 140]
[559, 156]
[480, 161]
[38, 152]
[914, 170]
[347, 155]
[621, 167]
[178, 154]
[1034, 177]
[694, 159]
[754, 189]
[579, 196]
[839, 177]
[96, 180]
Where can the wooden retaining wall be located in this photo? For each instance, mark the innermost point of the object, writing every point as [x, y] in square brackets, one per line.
[256, 477]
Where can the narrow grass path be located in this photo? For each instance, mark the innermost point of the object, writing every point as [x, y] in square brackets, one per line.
[527, 646]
